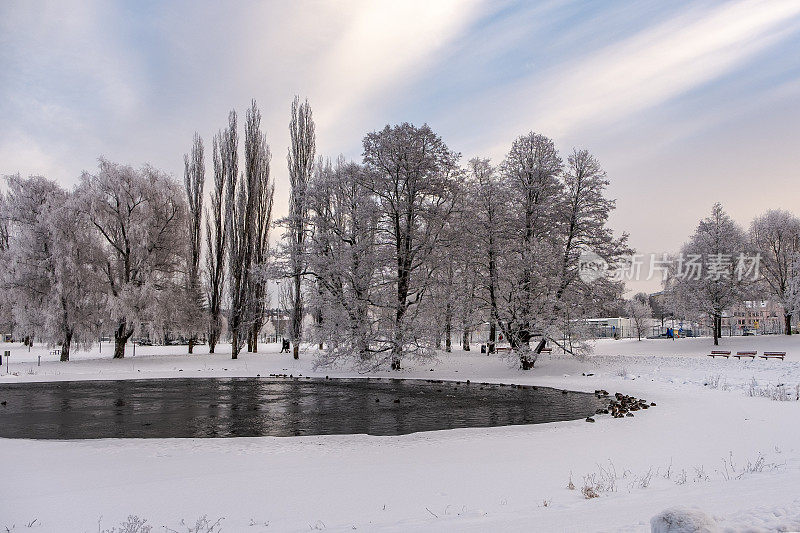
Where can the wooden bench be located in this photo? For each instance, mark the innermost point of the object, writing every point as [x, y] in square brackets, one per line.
[508, 349]
[751, 355]
[55, 352]
[773, 355]
[720, 353]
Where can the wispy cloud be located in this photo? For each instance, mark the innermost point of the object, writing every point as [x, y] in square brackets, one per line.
[649, 68]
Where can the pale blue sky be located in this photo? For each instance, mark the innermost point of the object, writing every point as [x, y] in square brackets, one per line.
[684, 103]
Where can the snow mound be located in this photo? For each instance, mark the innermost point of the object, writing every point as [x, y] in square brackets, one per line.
[683, 520]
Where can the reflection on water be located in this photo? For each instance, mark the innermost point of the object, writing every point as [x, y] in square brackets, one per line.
[248, 407]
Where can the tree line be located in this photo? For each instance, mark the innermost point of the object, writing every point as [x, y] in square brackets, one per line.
[381, 259]
[771, 246]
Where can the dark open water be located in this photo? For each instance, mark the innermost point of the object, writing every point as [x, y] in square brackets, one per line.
[249, 407]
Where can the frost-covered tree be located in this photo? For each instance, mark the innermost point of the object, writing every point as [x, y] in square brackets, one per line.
[6, 316]
[413, 177]
[194, 180]
[238, 227]
[582, 223]
[248, 215]
[344, 262]
[49, 265]
[532, 171]
[257, 160]
[705, 277]
[301, 160]
[775, 236]
[487, 199]
[639, 312]
[216, 239]
[28, 259]
[531, 225]
[139, 217]
[452, 307]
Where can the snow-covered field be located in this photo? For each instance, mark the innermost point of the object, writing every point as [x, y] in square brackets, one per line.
[716, 442]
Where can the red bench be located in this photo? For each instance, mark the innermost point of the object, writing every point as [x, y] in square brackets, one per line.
[773, 355]
[751, 355]
[720, 353]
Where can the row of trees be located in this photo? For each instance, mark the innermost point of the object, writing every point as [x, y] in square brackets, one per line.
[388, 257]
[124, 251]
[408, 247]
[771, 270]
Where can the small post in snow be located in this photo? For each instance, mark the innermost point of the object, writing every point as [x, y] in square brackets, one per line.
[8, 356]
[40, 361]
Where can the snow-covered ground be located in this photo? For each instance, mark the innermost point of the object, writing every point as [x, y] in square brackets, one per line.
[716, 442]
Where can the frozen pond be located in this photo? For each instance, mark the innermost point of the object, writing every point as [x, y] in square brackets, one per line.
[249, 407]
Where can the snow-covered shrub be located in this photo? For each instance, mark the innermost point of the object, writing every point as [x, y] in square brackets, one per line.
[133, 524]
[779, 393]
[700, 473]
[715, 381]
[589, 492]
[683, 520]
[644, 481]
[202, 525]
[595, 483]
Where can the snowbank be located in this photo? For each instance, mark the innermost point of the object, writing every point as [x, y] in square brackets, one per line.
[683, 520]
[709, 442]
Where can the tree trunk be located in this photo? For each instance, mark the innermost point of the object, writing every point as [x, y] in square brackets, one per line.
[526, 362]
[492, 336]
[212, 340]
[66, 346]
[448, 330]
[191, 344]
[256, 333]
[465, 340]
[235, 344]
[788, 321]
[297, 316]
[400, 313]
[121, 336]
[397, 348]
[716, 332]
